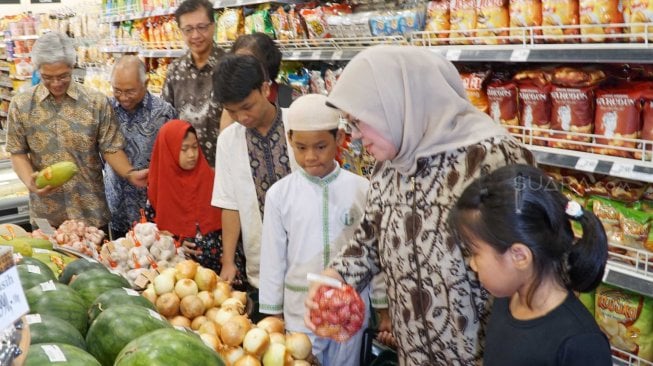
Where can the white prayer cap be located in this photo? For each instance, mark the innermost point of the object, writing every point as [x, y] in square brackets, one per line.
[310, 113]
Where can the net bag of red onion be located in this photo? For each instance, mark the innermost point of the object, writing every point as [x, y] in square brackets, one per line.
[340, 312]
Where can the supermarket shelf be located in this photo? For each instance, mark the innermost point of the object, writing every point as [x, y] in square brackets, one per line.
[23, 38]
[4, 68]
[6, 84]
[163, 53]
[332, 48]
[122, 14]
[3, 114]
[5, 97]
[14, 210]
[630, 268]
[218, 4]
[632, 359]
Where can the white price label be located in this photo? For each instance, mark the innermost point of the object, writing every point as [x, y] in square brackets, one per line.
[40, 251]
[154, 314]
[54, 353]
[623, 170]
[91, 260]
[337, 55]
[48, 286]
[453, 55]
[33, 318]
[13, 304]
[587, 164]
[131, 292]
[33, 269]
[316, 55]
[520, 55]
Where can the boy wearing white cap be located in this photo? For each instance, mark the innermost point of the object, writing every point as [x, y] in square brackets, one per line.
[309, 215]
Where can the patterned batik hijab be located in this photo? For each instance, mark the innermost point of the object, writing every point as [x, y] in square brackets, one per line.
[414, 98]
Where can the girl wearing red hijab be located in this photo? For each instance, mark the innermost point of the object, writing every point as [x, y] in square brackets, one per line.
[180, 185]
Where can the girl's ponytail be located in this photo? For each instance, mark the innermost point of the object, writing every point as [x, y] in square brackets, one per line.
[587, 257]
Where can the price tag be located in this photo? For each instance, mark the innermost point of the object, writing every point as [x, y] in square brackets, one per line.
[453, 55]
[520, 55]
[131, 292]
[624, 170]
[13, 303]
[48, 286]
[45, 226]
[141, 281]
[337, 55]
[33, 269]
[91, 260]
[40, 251]
[151, 274]
[154, 314]
[33, 318]
[54, 353]
[587, 164]
[316, 55]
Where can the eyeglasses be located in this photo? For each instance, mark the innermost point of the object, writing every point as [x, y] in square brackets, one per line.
[349, 124]
[200, 28]
[128, 93]
[52, 79]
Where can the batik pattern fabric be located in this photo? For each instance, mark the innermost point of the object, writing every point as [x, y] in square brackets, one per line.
[79, 129]
[437, 306]
[140, 129]
[268, 157]
[190, 91]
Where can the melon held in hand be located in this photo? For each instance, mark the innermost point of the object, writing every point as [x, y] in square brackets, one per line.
[56, 174]
[340, 314]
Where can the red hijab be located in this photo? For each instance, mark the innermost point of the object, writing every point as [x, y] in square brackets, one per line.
[181, 198]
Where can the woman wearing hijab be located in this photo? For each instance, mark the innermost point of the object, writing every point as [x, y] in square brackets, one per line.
[409, 108]
[179, 191]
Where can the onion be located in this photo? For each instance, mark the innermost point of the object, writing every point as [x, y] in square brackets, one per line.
[191, 306]
[299, 345]
[181, 321]
[301, 363]
[206, 279]
[209, 327]
[248, 360]
[277, 338]
[211, 313]
[211, 340]
[221, 293]
[168, 304]
[207, 298]
[233, 331]
[150, 294]
[170, 272]
[233, 304]
[240, 296]
[186, 269]
[277, 355]
[223, 316]
[185, 287]
[163, 284]
[232, 354]
[256, 342]
[272, 324]
[197, 322]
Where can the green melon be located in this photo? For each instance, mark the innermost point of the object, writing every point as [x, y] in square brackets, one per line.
[41, 354]
[92, 283]
[56, 174]
[62, 302]
[55, 260]
[117, 296]
[46, 328]
[165, 347]
[78, 266]
[117, 326]
[31, 275]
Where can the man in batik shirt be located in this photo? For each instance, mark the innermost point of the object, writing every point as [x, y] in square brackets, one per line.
[140, 115]
[188, 85]
[61, 120]
[252, 154]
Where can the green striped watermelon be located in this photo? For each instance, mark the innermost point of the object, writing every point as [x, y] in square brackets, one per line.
[117, 326]
[46, 328]
[37, 262]
[31, 275]
[93, 282]
[78, 266]
[59, 354]
[165, 347]
[57, 299]
[117, 296]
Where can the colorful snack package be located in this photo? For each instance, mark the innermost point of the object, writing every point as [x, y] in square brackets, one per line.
[524, 13]
[598, 12]
[462, 20]
[437, 20]
[474, 83]
[491, 16]
[558, 13]
[617, 116]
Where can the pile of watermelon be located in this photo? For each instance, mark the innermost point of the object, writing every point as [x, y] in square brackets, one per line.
[90, 316]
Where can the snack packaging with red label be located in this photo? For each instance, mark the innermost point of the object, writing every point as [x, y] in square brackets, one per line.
[341, 312]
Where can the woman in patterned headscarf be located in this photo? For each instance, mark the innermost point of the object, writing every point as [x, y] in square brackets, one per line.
[409, 107]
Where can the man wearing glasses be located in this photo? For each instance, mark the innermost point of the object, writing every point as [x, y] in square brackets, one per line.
[188, 85]
[140, 115]
[59, 120]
